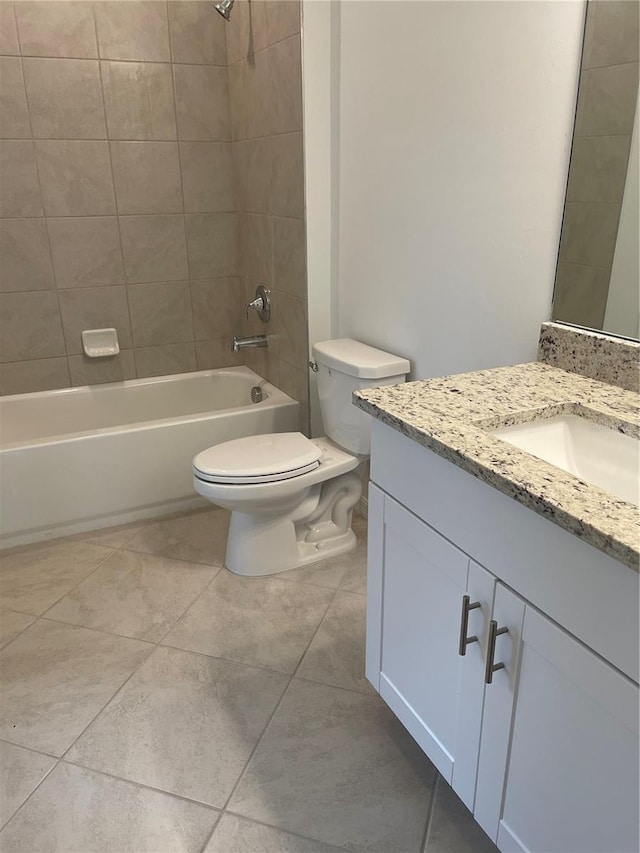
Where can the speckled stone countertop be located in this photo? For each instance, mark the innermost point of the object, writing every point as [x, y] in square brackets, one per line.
[451, 416]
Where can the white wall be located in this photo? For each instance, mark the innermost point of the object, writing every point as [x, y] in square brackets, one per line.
[455, 123]
[623, 302]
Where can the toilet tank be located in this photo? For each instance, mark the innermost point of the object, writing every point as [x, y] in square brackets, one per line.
[345, 366]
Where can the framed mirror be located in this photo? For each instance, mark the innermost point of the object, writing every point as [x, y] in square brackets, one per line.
[597, 279]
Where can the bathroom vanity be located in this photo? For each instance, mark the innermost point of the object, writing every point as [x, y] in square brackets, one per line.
[502, 624]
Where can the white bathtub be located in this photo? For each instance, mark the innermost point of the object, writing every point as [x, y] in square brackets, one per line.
[82, 458]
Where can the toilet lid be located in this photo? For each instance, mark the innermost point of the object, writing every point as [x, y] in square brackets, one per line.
[258, 459]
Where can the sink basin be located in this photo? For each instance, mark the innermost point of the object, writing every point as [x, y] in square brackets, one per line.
[597, 455]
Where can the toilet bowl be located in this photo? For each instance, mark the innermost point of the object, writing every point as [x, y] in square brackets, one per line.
[291, 497]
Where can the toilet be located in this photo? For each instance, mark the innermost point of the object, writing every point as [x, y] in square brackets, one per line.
[291, 497]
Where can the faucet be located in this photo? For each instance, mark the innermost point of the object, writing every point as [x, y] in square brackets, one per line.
[251, 341]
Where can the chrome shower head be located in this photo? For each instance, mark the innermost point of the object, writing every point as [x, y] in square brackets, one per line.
[224, 7]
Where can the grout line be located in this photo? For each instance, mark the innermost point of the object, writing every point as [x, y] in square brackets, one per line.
[20, 633]
[278, 705]
[432, 805]
[141, 785]
[30, 749]
[114, 59]
[115, 193]
[297, 34]
[331, 846]
[153, 647]
[112, 552]
[31, 793]
[44, 217]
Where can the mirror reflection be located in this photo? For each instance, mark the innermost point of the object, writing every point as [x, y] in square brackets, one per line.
[597, 280]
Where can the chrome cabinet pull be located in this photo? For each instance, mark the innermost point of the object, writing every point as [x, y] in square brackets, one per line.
[492, 667]
[464, 625]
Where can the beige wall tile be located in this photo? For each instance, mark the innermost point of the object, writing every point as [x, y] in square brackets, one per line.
[93, 371]
[167, 359]
[136, 29]
[294, 382]
[247, 30]
[30, 326]
[86, 251]
[217, 308]
[160, 313]
[56, 28]
[65, 98]
[581, 294]
[210, 354]
[147, 177]
[26, 260]
[8, 30]
[612, 33]
[256, 248]
[253, 166]
[283, 19]
[14, 118]
[589, 233]
[598, 168]
[290, 256]
[607, 100]
[286, 197]
[94, 308]
[154, 248]
[20, 194]
[213, 244]
[207, 176]
[202, 102]
[138, 99]
[284, 93]
[254, 99]
[290, 325]
[75, 177]
[197, 35]
[25, 377]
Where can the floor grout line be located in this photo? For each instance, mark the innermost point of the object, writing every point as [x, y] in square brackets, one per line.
[153, 645]
[144, 785]
[271, 717]
[432, 806]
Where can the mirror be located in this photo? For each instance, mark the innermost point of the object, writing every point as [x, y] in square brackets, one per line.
[597, 280]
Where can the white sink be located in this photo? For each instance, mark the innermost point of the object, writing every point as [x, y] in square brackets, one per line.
[597, 455]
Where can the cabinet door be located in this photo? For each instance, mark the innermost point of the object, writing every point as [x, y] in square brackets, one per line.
[417, 580]
[570, 782]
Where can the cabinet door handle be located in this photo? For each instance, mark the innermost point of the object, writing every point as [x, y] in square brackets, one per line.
[492, 667]
[464, 625]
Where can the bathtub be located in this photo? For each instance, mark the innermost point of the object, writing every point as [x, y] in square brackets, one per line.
[83, 458]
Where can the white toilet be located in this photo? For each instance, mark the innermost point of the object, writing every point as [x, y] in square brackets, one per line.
[292, 497]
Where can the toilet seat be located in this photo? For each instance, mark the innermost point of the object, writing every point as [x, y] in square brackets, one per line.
[258, 459]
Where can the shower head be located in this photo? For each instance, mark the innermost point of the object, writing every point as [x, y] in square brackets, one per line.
[224, 7]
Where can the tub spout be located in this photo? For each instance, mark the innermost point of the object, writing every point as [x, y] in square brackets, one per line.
[251, 341]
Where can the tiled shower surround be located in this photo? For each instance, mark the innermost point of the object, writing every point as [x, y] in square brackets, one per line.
[120, 203]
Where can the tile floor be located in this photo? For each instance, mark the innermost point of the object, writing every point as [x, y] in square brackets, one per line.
[153, 702]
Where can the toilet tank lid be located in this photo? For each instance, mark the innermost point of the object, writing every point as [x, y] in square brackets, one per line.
[356, 359]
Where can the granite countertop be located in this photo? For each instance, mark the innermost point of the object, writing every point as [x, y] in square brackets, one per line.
[450, 416]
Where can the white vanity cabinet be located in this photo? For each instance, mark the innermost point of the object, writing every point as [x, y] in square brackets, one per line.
[546, 754]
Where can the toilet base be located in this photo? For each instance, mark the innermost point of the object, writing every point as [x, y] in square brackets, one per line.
[265, 544]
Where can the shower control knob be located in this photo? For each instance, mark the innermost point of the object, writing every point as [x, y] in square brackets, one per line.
[261, 304]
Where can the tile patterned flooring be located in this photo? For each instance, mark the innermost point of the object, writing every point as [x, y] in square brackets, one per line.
[153, 702]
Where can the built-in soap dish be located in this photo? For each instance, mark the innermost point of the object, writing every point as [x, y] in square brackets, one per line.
[100, 343]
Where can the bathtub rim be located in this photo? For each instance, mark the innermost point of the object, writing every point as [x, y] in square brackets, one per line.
[275, 398]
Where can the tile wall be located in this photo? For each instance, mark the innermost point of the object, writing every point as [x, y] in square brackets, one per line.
[118, 200]
[604, 121]
[265, 88]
